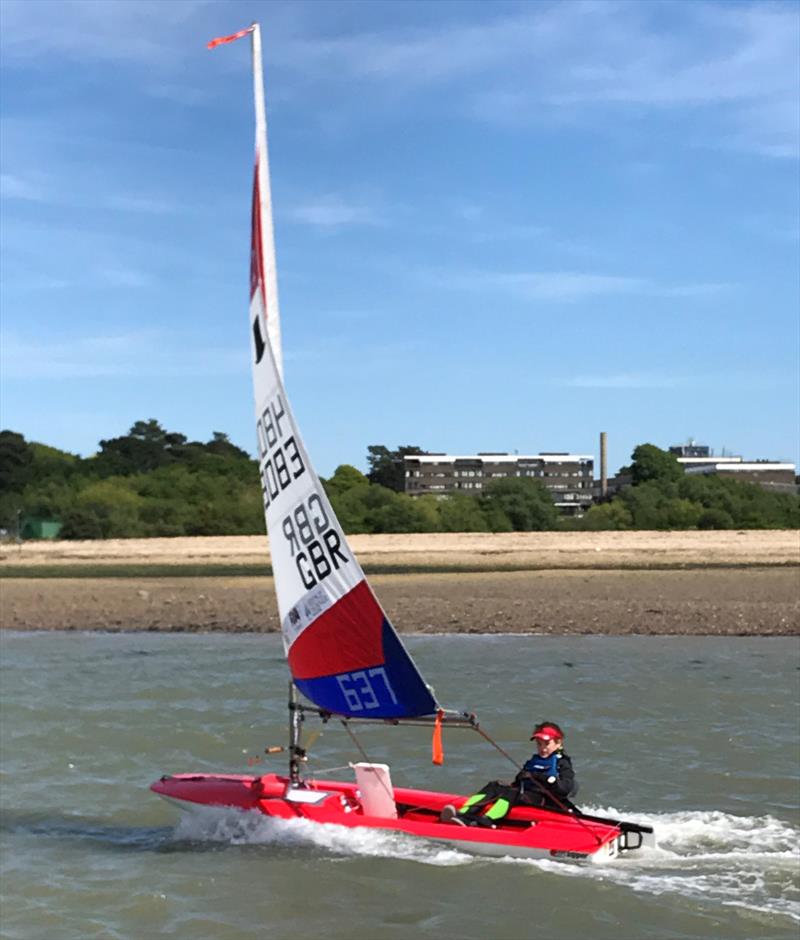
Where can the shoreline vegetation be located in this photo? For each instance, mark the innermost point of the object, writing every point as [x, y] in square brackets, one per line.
[711, 582]
[155, 483]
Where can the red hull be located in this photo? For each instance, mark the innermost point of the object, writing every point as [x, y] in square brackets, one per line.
[525, 832]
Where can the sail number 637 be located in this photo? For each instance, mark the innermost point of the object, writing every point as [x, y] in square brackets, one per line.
[359, 691]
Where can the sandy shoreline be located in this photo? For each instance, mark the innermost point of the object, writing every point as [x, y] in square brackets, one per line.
[724, 583]
[517, 550]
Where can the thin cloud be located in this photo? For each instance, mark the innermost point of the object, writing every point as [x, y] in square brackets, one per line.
[17, 187]
[179, 94]
[142, 32]
[332, 212]
[83, 194]
[565, 60]
[120, 276]
[567, 286]
[129, 202]
[504, 232]
[624, 380]
[146, 353]
[711, 289]
[563, 285]
[662, 380]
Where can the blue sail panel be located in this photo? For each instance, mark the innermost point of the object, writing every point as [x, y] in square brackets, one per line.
[351, 662]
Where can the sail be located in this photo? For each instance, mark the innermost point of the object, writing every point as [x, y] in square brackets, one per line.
[343, 653]
[263, 271]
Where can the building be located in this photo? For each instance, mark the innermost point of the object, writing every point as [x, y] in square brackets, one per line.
[699, 455]
[771, 474]
[569, 477]
[35, 528]
[692, 449]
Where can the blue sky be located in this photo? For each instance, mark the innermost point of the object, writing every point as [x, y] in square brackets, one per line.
[500, 226]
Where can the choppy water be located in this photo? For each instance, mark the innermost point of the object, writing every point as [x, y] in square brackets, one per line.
[697, 736]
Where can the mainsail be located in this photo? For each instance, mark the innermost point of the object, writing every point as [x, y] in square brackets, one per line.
[343, 653]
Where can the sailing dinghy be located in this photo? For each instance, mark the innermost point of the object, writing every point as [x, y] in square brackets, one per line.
[345, 658]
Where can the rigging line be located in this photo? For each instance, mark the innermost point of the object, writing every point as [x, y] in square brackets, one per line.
[357, 743]
[389, 792]
[495, 745]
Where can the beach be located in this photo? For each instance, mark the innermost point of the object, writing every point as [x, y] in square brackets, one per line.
[614, 583]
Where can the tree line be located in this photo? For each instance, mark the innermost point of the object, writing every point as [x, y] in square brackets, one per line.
[154, 482]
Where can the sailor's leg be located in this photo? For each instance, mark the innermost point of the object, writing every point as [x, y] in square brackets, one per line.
[498, 810]
[474, 802]
[478, 800]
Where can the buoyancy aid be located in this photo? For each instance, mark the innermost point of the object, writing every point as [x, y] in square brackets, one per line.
[543, 765]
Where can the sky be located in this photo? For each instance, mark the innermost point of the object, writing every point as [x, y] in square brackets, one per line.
[499, 226]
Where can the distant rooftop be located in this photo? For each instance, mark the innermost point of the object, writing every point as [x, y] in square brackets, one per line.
[498, 458]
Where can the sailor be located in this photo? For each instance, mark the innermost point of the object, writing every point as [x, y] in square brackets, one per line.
[546, 780]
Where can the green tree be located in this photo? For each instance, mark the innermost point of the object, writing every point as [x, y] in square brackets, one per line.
[652, 463]
[386, 466]
[352, 509]
[344, 478]
[645, 504]
[613, 515]
[348, 490]
[16, 461]
[461, 513]
[145, 447]
[115, 506]
[681, 514]
[222, 447]
[52, 464]
[526, 503]
[81, 524]
[714, 518]
[397, 512]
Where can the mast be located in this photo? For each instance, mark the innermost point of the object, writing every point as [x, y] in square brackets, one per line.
[295, 728]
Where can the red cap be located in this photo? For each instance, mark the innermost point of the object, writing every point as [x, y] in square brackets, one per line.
[547, 732]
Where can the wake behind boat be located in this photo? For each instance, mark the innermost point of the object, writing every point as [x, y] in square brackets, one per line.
[344, 655]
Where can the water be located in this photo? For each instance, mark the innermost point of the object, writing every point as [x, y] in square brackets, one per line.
[696, 736]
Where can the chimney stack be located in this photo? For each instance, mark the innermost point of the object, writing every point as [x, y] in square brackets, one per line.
[603, 465]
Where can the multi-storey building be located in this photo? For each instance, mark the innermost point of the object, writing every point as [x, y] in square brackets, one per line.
[570, 477]
[692, 449]
[771, 474]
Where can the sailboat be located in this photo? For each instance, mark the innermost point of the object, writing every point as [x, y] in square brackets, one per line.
[346, 660]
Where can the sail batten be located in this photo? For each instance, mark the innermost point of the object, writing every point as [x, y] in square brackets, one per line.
[343, 653]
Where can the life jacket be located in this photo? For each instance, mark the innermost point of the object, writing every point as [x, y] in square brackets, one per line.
[543, 765]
